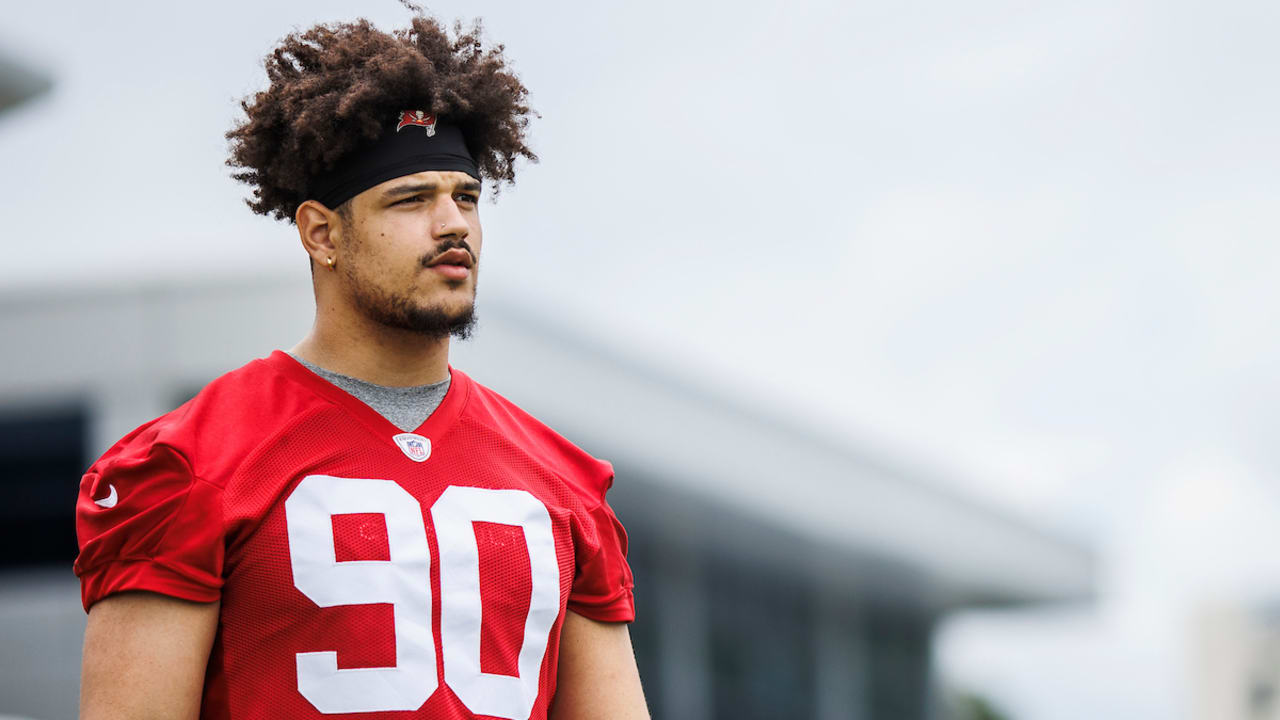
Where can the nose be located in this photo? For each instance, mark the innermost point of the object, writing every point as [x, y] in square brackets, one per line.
[448, 220]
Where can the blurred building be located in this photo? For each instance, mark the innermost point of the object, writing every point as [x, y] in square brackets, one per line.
[779, 574]
[1235, 662]
[19, 82]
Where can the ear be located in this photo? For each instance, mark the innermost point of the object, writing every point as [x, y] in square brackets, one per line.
[320, 230]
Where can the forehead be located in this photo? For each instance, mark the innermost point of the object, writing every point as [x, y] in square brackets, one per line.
[427, 180]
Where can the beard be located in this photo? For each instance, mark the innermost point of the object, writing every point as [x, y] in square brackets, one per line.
[401, 312]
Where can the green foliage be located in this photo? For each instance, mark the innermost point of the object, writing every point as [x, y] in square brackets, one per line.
[968, 706]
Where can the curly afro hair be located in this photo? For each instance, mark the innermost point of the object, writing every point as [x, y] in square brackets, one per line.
[333, 87]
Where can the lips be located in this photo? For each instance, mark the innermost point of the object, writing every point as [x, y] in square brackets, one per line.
[455, 256]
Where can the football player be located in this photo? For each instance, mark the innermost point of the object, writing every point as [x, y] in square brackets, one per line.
[353, 528]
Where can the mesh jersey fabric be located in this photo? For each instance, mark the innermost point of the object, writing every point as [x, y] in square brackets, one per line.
[355, 580]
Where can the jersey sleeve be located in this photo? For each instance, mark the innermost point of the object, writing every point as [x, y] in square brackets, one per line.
[602, 583]
[146, 522]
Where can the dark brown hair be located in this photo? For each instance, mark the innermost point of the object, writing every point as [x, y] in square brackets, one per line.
[332, 88]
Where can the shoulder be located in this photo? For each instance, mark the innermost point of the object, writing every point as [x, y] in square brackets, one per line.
[212, 431]
[589, 476]
[150, 511]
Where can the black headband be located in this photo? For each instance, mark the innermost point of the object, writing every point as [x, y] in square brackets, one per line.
[416, 143]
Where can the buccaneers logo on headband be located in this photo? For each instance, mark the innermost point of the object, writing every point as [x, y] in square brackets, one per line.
[419, 118]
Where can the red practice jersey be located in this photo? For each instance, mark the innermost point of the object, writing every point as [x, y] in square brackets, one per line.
[363, 571]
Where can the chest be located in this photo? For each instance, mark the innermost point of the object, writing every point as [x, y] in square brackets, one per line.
[371, 580]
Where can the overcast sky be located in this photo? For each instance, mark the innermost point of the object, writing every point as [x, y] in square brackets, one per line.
[1027, 249]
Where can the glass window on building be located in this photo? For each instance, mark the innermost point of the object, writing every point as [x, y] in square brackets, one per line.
[898, 662]
[42, 456]
[762, 650]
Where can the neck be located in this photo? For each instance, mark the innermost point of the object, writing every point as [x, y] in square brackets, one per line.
[374, 353]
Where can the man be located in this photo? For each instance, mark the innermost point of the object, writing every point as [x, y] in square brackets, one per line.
[354, 528]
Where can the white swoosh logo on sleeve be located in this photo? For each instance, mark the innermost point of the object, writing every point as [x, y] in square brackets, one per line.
[110, 500]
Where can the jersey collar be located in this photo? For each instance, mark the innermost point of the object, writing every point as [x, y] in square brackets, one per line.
[434, 427]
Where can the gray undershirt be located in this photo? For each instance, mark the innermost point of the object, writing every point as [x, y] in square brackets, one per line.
[404, 407]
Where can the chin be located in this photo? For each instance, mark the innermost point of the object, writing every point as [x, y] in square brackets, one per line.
[457, 303]
[459, 298]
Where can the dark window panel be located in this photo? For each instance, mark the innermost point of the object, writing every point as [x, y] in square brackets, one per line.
[41, 460]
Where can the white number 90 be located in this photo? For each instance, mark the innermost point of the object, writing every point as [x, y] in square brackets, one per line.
[404, 581]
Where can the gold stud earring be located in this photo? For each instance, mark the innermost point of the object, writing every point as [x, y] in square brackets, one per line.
[329, 261]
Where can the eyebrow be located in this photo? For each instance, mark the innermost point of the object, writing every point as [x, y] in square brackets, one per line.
[410, 189]
[416, 188]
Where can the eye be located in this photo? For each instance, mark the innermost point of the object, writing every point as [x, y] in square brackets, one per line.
[410, 199]
[467, 197]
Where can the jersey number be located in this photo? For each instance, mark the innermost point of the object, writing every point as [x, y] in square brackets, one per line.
[404, 581]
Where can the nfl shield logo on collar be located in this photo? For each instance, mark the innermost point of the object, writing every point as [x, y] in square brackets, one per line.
[415, 447]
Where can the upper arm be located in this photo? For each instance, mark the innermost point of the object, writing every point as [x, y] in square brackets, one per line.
[145, 657]
[597, 677]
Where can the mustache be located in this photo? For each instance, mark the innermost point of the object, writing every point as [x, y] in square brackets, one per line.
[446, 246]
